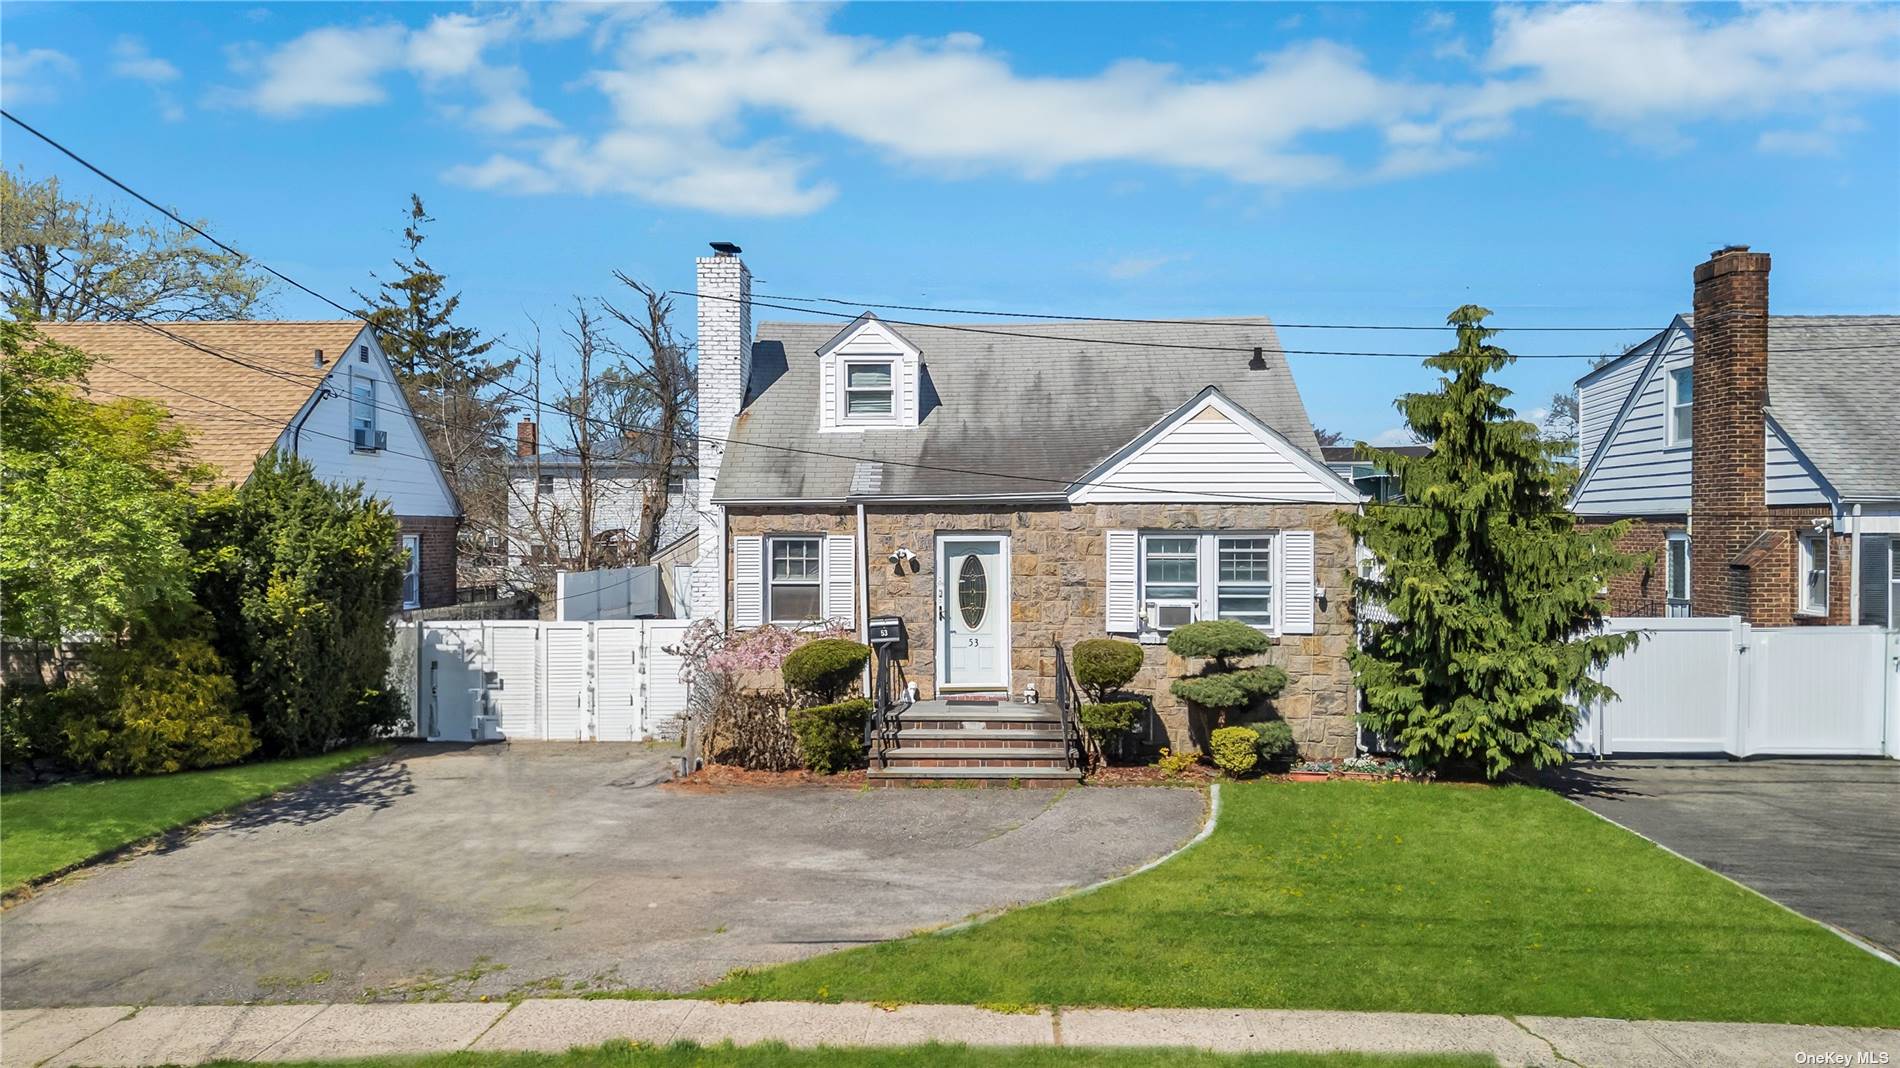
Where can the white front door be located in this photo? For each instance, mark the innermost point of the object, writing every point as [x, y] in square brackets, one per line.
[973, 611]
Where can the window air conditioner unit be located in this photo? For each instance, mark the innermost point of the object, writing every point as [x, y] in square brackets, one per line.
[1167, 615]
[364, 439]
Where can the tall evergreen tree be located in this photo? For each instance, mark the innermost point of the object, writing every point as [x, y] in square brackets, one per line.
[447, 374]
[1493, 589]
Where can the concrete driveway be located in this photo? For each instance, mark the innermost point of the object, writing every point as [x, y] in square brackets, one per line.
[1820, 836]
[452, 873]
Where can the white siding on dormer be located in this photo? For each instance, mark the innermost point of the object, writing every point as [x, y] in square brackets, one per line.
[1210, 456]
[1790, 481]
[403, 473]
[1598, 402]
[1638, 473]
[868, 340]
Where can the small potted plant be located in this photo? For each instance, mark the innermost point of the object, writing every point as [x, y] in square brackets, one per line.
[1364, 767]
[1311, 771]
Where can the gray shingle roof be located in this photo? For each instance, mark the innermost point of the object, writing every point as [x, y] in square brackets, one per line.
[1834, 386]
[1002, 415]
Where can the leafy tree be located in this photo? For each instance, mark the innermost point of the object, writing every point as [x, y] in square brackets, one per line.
[448, 377]
[97, 499]
[299, 577]
[1328, 437]
[1223, 686]
[1492, 585]
[74, 259]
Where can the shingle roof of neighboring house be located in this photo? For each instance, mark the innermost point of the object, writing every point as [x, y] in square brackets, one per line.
[1834, 386]
[1001, 415]
[1336, 454]
[235, 413]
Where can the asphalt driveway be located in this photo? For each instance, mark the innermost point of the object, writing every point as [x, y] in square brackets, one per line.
[453, 873]
[1820, 836]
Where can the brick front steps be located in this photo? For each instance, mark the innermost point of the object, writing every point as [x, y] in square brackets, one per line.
[983, 743]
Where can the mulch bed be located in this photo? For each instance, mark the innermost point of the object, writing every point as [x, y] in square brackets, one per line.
[1144, 775]
[719, 778]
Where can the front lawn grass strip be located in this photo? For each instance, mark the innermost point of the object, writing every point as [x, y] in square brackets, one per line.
[178, 833]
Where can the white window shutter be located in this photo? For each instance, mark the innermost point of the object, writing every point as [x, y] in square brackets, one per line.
[841, 560]
[1296, 582]
[1122, 602]
[748, 581]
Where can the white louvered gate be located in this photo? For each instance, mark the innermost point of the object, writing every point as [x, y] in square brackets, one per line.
[609, 681]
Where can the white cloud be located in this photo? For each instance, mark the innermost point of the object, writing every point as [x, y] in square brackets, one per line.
[32, 75]
[1823, 139]
[334, 67]
[1131, 267]
[1630, 64]
[1398, 435]
[712, 107]
[329, 67]
[131, 60]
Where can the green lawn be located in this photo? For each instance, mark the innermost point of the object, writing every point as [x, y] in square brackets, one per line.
[48, 829]
[775, 1055]
[1394, 897]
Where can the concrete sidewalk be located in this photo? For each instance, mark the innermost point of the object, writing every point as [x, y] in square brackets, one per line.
[195, 1034]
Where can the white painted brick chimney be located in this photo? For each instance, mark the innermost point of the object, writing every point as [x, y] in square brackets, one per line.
[725, 366]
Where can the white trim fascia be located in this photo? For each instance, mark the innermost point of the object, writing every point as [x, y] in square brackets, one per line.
[856, 326]
[1211, 396]
[1663, 346]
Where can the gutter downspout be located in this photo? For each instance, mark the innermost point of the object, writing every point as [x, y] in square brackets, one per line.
[863, 565]
[1853, 571]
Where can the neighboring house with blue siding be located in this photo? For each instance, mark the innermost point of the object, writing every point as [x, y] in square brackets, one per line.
[1757, 456]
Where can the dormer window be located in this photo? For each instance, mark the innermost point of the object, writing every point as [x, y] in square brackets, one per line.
[868, 392]
[869, 378]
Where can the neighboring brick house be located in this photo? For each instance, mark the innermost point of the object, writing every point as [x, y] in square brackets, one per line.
[1003, 494]
[322, 391]
[1757, 456]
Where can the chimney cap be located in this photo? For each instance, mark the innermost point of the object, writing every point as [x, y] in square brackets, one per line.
[725, 248]
[1727, 250]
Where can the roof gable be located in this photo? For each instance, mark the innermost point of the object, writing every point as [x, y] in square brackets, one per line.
[235, 385]
[1211, 450]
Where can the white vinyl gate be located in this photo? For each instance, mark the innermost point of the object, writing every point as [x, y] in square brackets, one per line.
[544, 681]
[1718, 685]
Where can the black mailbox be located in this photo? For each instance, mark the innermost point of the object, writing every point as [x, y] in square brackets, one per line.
[888, 631]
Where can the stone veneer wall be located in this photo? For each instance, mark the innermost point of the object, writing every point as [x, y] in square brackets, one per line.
[1057, 579]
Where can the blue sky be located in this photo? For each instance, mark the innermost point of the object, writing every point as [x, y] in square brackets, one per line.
[1361, 164]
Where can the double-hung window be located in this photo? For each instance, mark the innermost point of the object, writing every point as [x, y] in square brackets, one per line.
[1185, 577]
[362, 411]
[411, 571]
[1812, 561]
[794, 580]
[1244, 587]
[869, 391]
[1879, 580]
[1676, 573]
[1681, 406]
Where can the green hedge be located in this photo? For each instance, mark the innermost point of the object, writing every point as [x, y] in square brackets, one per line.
[825, 669]
[1106, 720]
[1235, 750]
[1104, 665]
[1217, 638]
[831, 737]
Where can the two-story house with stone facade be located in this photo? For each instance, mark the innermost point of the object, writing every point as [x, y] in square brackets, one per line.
[1757, 455]
[1005, 489]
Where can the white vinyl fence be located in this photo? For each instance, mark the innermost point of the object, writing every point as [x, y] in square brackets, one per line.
[1718, 685]
[545, 681]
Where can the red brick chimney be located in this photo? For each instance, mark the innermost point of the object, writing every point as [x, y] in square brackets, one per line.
[525, 440]
[1728, 498]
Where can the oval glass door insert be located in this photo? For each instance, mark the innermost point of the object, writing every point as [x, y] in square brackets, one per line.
[973, 591]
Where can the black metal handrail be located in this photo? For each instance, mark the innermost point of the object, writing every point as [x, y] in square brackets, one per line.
[887, 707]
[1069, 712]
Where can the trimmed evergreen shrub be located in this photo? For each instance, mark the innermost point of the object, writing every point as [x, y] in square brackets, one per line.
[1276, 741]
[1110, 718]
[831, 737]
[825, 670]
[168, 706]
[1217, 638]
[1235, 750]
[1104, 665]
